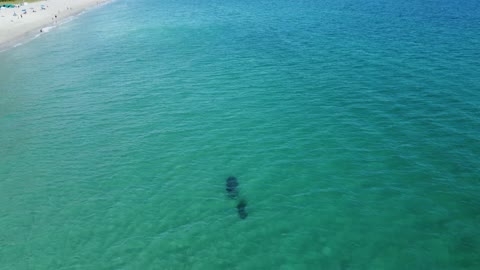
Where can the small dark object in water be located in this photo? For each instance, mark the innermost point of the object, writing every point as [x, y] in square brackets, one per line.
[232, 185]
[242, 212]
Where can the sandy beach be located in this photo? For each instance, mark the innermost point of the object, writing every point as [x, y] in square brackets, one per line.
[21, 23]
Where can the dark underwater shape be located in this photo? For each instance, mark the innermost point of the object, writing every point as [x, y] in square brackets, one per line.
[232, 185]
[242, 212]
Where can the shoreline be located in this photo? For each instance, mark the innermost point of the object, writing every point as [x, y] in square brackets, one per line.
[22, 24]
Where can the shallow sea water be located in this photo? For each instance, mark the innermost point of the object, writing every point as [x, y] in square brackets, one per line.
[353, 129]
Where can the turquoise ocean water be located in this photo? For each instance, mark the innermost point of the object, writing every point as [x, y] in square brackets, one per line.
[353, 128]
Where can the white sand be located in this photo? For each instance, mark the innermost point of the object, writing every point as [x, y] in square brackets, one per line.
[15, 29]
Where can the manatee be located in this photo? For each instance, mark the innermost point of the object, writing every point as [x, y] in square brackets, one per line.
[232, 185]
[242, 212]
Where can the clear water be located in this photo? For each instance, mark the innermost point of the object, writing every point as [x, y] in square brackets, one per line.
[353, 128]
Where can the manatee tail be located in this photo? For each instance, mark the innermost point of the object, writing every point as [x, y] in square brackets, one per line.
[241, 209]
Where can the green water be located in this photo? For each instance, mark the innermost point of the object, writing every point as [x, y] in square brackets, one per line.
[353, 129]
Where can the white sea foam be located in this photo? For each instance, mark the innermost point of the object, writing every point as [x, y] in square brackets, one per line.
[47, 29]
